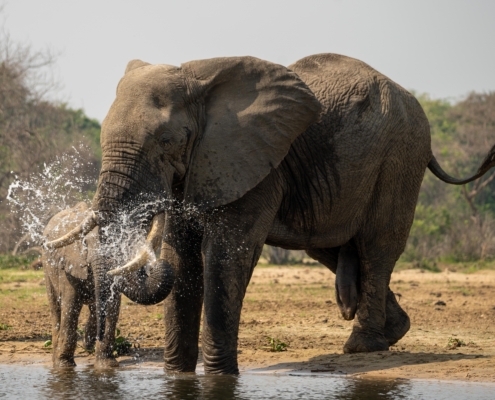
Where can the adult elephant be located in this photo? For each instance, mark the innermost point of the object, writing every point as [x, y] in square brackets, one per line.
[327, 156]
[70, 283]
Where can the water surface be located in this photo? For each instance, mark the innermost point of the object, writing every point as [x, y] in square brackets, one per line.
[31, 382]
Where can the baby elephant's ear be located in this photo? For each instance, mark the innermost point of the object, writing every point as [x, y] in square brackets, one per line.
[254, 111]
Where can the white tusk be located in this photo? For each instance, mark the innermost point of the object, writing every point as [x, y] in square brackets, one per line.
[152, 242]
[136, 263]
[79, 231]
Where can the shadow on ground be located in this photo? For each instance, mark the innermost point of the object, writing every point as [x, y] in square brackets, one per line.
[355, 364]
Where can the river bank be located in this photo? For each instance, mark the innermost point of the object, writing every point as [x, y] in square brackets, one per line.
[452, 333]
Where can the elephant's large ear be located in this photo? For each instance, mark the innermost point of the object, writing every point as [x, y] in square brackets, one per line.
[254, 111]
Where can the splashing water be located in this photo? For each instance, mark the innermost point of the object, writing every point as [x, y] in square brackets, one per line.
[69, 180]
[127, 232]
[59, 185]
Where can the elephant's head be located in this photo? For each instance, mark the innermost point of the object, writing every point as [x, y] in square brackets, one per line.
[214, 129]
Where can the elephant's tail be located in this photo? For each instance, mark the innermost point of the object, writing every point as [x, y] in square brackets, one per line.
[437, 170]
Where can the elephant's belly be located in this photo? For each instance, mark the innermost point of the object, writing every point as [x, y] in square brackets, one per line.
[283, 235]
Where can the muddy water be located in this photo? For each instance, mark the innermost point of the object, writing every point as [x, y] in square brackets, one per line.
[85, 383]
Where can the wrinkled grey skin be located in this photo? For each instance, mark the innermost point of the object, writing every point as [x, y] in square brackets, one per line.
[70, 283]
[325, 156]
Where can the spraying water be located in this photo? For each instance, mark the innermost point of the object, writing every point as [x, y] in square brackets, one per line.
[68, 180]
[58, 186]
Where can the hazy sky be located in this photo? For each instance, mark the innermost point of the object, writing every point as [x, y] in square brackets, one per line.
[443, 47]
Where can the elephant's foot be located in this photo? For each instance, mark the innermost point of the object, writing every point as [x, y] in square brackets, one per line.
[230, 369]
[106, 363]
[397, 323]
[180, 368]
[64, 363]
[362, 342]
[104, 357]
[220, 362]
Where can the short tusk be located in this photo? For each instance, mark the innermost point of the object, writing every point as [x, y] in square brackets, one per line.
[156, 231]
[152, 243]
[136, 263]
[79, 231]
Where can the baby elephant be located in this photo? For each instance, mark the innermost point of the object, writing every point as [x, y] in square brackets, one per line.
[69, 285]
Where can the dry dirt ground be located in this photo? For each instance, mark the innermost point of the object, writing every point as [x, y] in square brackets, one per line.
[452, 332]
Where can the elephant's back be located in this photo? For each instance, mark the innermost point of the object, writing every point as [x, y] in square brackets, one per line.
[64, 221]
[368, 118]
[357, 99]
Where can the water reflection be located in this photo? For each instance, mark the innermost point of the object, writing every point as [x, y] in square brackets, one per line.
[71, 383]
[200, 387]
[44, 383]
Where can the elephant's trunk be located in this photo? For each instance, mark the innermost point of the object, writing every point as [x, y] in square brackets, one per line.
[102, 294]
[121, 182]
[152, 288]
[149, 288]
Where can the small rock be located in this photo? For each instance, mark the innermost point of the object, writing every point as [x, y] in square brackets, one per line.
[325, 321]
[440, 303]
[330, 302]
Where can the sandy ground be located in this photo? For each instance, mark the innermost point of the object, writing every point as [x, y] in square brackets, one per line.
[296, 305]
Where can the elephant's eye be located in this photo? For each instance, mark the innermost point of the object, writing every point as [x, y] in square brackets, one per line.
[165, 140]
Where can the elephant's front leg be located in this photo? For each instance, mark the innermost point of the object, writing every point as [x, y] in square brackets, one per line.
[181, 247]
[231, 249]
[70, 308]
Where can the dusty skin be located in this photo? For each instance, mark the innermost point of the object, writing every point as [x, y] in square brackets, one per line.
[296, 305]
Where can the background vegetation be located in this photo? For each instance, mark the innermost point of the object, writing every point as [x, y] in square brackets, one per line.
[33, 129]
[452, 224]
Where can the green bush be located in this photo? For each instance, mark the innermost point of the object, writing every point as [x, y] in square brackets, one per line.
[8, 261]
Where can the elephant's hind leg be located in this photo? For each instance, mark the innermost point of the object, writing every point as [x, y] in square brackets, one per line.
[397, 323]
[89, 339]
[381, 321]
[369, 326]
